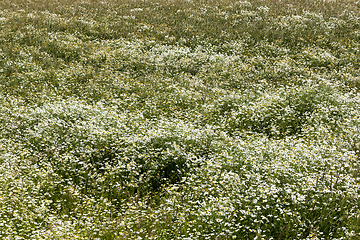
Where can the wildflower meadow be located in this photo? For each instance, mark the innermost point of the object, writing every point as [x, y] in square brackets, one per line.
[179, 119]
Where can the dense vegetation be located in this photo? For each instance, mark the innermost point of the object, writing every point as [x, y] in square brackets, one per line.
[183, 119]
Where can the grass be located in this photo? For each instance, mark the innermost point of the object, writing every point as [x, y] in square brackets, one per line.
[179, 119]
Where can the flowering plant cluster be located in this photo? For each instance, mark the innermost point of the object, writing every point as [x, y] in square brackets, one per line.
[180, 119]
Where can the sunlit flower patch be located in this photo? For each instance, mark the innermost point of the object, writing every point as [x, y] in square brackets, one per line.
[179, 120]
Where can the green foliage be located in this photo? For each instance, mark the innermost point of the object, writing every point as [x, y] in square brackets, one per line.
[179, 119]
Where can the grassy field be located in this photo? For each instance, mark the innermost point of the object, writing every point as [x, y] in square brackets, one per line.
[181, 119]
